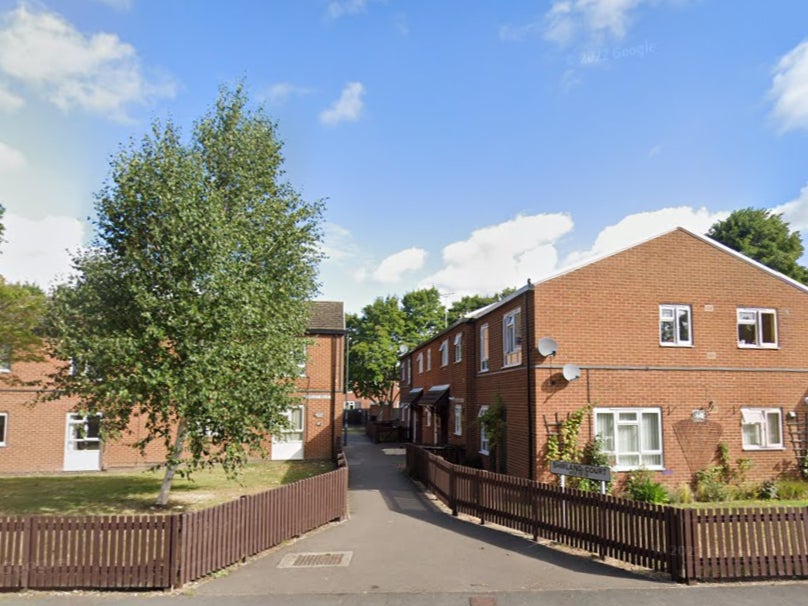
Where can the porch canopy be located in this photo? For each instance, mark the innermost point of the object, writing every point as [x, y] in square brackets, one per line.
[437, 396]
[412, 397]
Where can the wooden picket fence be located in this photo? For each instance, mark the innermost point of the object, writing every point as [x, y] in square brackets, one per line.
[689, 544]
[163, 551]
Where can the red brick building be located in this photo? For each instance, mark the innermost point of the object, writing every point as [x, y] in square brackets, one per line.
[51, 436]
[678, 344]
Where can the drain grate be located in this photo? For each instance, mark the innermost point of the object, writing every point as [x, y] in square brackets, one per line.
[316, 560]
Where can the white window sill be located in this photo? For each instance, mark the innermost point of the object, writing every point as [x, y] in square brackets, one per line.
[484, 452]
[619, 468]
[752, 346]
[676, 345]
[763, 448]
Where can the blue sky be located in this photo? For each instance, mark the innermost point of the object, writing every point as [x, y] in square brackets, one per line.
[464, 144]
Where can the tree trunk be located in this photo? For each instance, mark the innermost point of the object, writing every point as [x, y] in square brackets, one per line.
[171, 467]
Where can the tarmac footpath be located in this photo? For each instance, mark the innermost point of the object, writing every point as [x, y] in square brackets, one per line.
[398, 542]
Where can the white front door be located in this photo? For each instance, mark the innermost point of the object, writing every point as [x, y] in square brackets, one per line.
[288, 445]
[82, 443]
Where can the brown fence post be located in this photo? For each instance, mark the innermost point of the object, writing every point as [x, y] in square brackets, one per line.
[674, 540]
[174, 554]
[534, 497]
[453, 489]
[27, 541]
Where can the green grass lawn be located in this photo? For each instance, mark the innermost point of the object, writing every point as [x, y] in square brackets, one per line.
[130, 492]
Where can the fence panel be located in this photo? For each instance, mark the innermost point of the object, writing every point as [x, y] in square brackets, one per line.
[101, 552]
[214, 538]
[156, 551]
[744, 543]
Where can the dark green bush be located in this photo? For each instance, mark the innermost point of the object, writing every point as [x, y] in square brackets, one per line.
[640, 486]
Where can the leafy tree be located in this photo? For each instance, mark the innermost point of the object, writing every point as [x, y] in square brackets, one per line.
[381, 332]
[190, 307]
[424, 315]
[375, 340]
[22, 309]
[471, 303]
[765, 237]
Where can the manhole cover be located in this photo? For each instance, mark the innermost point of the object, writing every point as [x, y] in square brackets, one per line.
[316, 560]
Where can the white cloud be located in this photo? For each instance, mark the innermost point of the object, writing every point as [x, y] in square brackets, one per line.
[789, 89]
[9, 102]
[796, 211]
[643, 226]
[392, 269]
[338, 242]
[37, 251]
[11, 159]
[118, 5]
[97, 73]
[501, 255]
[347, 108]
[597, 18]
[516, 33]
[283, 91]
[340, 8]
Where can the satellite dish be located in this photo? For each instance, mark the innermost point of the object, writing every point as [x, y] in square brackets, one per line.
[403, 349]
[571, 372]
[547, 346]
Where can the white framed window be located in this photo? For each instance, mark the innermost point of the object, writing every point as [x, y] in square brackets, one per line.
[429, 359]
[458, 347]
[631, 437]
[674, 325]
[484, 347]
[406, 369]
[301, 364]
[3, 428]
[428, 417]
[757, 327]
[5, 358]
[761, 428]
[483, 437]
[444, 353]
[458, 420]
[512, 338]
[419, 362]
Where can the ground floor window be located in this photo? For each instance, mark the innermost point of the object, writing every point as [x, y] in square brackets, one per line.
[761, 428]
[458, 420]
[3, 426]
[483, 437]
[631, 437]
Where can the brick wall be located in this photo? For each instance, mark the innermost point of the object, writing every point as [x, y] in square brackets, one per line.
[35, 432]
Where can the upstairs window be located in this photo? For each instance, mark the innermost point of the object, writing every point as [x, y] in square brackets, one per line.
[484, 347]
[406, 366]
[757, 328]
[419, 361]
[5, 358]
[444, 353]
[458, 347]
[429, 359]
[674, 325]
[761, 428]
[301, 363]
[512, 338]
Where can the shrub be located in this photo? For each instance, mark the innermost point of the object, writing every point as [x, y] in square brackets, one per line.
[710, 484]
[683, 495]
[792, 489]
[640, 486]
[767, 490]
